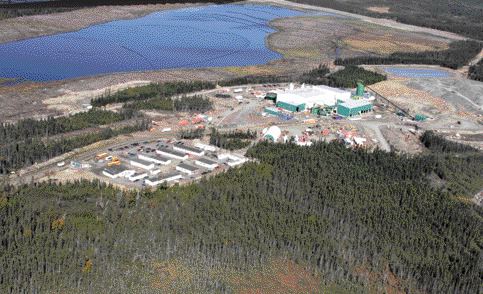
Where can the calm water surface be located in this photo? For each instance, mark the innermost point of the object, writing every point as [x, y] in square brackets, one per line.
[208, 36]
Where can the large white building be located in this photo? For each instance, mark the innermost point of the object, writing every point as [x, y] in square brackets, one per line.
[157, 159]
[172, 153]
[142, 164]
[115, 172]
[206, 163]
[190, 150]
[157, 180]
[186, 168]
[309, 96]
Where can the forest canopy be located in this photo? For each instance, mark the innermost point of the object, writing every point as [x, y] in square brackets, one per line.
[342, 213]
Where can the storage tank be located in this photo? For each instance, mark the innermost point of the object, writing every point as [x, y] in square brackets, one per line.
[272, 133]
[360, 89]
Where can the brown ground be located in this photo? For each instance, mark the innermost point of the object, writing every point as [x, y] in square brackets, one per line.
[379, 9]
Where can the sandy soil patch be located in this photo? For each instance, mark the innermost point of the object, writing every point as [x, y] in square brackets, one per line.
[416, 101]
[72, 101]
[379, 9]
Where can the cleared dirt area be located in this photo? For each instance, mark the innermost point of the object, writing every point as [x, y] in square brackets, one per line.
[379, 9]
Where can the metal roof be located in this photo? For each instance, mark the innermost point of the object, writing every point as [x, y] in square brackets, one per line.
[189, 148]
[115, 169]
[142, 161]
[174, 152]
[207, 161]
[187, 166]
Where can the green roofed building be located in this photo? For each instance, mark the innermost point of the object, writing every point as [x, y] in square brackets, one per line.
[293, 106]
[353, 107]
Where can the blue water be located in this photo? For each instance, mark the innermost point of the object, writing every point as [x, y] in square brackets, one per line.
[207, 36]
[417, 72]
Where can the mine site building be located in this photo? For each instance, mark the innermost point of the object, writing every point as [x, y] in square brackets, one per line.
[119, 171]
[190, 150]
[172, 153]
[353, 107]
[206, 147]
[137, 176]
[157, 180]
[157, 159]
[206, 163]
[186, 168]
[307, 97]
[142, 164]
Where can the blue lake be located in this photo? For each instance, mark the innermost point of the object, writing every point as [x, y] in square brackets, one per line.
[206, 36]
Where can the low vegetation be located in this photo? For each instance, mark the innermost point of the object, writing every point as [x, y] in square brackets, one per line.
[457, 55]
[351, 217]
[462, 17]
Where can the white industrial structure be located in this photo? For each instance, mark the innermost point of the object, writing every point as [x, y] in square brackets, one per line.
[206, 147]
[115, 172]
[137, 176]
[190, 150]
[142, 164]
[312, 95]
[158, 159]
[186, 168]
[172, 153]
[155, 181]
[233, 160]
[272, 133]
[206, 163]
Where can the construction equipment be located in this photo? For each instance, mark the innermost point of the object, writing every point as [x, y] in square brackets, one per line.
[114, 161]
[101, 156]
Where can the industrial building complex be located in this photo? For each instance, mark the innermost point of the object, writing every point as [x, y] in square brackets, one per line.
[320, 100]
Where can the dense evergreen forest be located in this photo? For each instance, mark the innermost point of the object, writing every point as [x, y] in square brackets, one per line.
[18, 154]
[195, 103]
[436, 143]
[340, 212]
[457, 55]
[191, 134]
[30, 128]
[462, 17]
[29, 141]
[232, 140]
[162, 90]
[476, 71]
[345, 78]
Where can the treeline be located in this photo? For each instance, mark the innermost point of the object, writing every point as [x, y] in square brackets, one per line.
[31, 128]
[341, 213]
[436, 143]
[16, 155]
[232, 140]
[457, 55]
[195, 103]
[256, 79]
[476, 71]
[191, 134]
[162, 90]
[463, 17]
[345, 78]
[46, 7]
